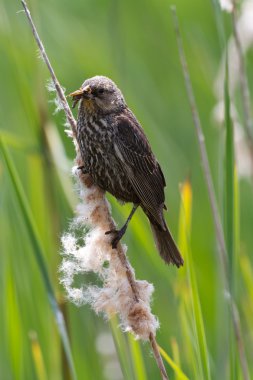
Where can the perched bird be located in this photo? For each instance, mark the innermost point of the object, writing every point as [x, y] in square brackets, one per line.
[118, 157]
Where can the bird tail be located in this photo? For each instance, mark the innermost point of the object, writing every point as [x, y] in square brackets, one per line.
[166, 245]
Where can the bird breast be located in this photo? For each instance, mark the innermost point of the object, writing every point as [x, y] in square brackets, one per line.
[96, 142]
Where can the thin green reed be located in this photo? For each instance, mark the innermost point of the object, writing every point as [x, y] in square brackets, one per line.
[38, 254]
[231, 211]
[190, 297]
[222, 238]
[229, 207]
[229, 186]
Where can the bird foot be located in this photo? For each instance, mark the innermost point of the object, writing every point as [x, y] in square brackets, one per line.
[118, 234]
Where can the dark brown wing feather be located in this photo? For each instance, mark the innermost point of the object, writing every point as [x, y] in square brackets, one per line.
[140, 165]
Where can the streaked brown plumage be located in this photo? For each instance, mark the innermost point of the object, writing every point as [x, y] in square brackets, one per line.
[117, 155]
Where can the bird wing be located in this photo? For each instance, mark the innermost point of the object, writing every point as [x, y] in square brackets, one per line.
[140, 165]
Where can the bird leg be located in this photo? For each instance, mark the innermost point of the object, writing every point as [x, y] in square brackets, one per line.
[120, 233]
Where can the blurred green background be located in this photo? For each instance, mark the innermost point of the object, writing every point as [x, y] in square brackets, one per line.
[132, 42]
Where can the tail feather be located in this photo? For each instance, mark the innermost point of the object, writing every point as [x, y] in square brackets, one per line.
[166, 245]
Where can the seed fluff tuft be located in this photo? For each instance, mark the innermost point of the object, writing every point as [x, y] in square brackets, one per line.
[87, 249]
[56, 101]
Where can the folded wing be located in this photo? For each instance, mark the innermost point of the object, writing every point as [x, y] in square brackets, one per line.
[140, 165]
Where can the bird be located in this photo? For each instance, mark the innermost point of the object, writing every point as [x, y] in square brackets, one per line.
[117, 155]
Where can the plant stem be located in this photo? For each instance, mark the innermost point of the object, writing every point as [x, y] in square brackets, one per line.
[58, 87]
[211, 193]
[158, 357]
[202, 146]
[72, 122]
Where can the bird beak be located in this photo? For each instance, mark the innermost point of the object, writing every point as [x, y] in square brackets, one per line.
[82, 91]
[78, 94]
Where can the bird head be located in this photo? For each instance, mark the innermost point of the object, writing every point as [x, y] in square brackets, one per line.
[99, 95]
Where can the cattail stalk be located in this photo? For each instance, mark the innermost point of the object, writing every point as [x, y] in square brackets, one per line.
[136, 315]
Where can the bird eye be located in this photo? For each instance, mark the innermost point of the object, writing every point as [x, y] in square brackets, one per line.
[101, 91]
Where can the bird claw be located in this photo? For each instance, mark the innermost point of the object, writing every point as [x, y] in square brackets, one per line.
[118, 235]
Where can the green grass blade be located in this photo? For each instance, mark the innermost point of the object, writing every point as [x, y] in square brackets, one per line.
[236, 220]
[137, 359]
[229, 206]
[175, 355]
[229, 188]
[38, 252]
[179, 373]
[13, 325]
[219, 23]
[247, 275]
[198, 323]
[37, 357]
[122, 349]
[18, 143]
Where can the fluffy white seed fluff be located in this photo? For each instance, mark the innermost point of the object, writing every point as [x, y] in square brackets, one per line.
[86, 248]
[226, 5]
[56, 101]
